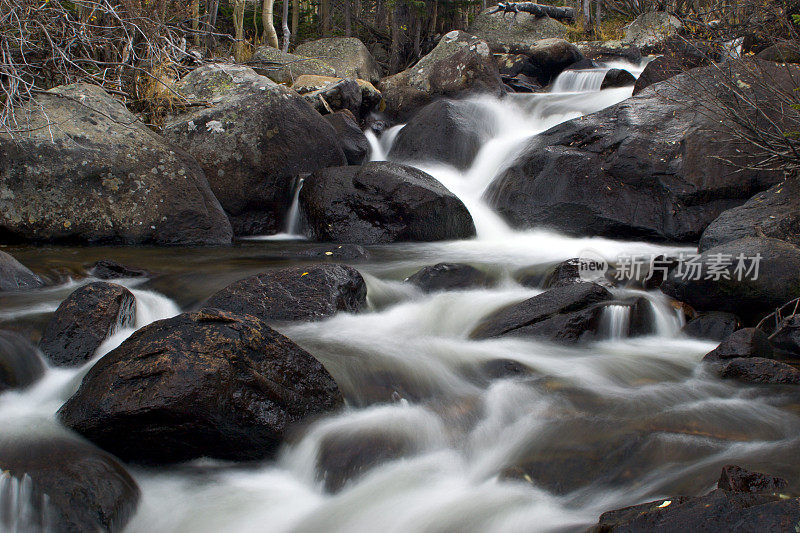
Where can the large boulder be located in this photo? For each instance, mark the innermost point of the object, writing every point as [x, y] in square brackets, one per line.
[746, 342]
[347, 55]
[679, 55]
[774, 213]
[63, 485]
[283, 67]
[657, 166]
[459, 64]
[760, 371]
[84, 320]
[314, 86]
[101, 176]
[14, 276]
[354, 143]
[253, 139]
[568, 313]
[204, 384]
[444, 131]
[381, 202]
[515, 33]
[550, 57]
[20, 364]
[766, 277]
[295, 293]
[342, 94]
[617, 77]
[651, 31]
[715, 325]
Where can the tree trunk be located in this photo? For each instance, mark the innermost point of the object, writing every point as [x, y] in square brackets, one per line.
[212, 8]
[270, 35]
[588, 19]
[195, 12]
[295, 17]
[348, 24]
[287, 35]
[238, 25]
[325, 15]
[400, 17]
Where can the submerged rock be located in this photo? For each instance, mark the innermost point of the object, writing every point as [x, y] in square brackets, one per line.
[652, 167]
[514, 33]
[108, 269]
[253, 139]
[760, 371]
[101, 177]
[381, 202]
[346, 55]
[459, 64]
[444, 131]
[352, 140]
[295, 293]
[20, 364]
[770, 278]
[69, 485]
[449, 277]
[564, 314]
[14, 276]
[84, 320]
[206, 384]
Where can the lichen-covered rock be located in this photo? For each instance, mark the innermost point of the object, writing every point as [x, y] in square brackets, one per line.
[71, 485]
[253, 140]
[347, 55]
[283, 67]
[100, 177]
[14, 276]
[514, 33]
[379, 203]
[651, 30]
[206, 384]
[296, 293]
[84, 320]
[459, 64]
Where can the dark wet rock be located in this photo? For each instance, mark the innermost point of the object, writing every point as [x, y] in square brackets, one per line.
[84, 320]
[253, 139]
[714, 325]
[781, 53]
[381, 202]
[760, 371]
[658, 271]
[617, 77]
[651, 31]
[786, 337]
[522, 83]
[774, 213]
[778, 279]
[20, 364]
[108, 269]
[444, 131]
[283, 67]
[206, 384]
[342, 94]
[565, 314]
[642, 318]
[460, 64]
[347, 55]
[746, 342]
[719, 511]
[564, 273]
[352, 140]
[603, 51]
[346, 457]
[295, 293]
[309, 85]
[550, 57]
[332, 252]
[615, 173]
[75, 487]
[680, 55]
[449, 277]
[101, 177]
[737, 479]
[514, 33]
[14, 276]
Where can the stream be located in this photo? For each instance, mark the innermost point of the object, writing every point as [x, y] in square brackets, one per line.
[596, 426]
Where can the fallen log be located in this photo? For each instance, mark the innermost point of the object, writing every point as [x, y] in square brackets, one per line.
[537, 10]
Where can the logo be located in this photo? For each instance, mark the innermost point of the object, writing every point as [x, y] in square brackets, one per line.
[592, 266]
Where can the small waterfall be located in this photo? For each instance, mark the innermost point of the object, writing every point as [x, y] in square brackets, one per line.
[20, 508]
[615, 322]
[580, 81]
[379, 147]
[293, 216]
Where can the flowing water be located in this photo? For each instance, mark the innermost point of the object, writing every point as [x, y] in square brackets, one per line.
[453, 434]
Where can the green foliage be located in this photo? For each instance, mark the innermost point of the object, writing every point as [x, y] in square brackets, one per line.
[796, 19]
